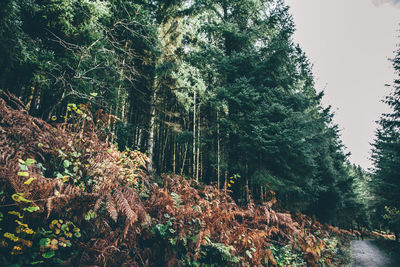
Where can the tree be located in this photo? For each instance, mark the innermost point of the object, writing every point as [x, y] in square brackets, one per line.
[386, 157]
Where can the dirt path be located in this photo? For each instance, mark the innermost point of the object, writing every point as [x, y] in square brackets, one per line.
[364, 253]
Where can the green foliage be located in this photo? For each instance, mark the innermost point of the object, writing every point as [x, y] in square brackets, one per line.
[22, 242]
[285, 256]
[385, 181]
[219, 253]
[208, 89]
[392, 218]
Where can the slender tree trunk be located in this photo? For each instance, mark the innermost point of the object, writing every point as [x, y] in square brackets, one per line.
[174, 158]
[184, 158]
[218, 154]
[152, 125]
[30, 98]
[198, 146]
[194, 135]
[163, 151]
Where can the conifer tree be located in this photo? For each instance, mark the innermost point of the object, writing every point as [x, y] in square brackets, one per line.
[386, 156]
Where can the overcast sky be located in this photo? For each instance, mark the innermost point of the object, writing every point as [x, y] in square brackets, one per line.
[349, 43]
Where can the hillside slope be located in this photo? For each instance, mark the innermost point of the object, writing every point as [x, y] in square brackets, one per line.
[68, 197]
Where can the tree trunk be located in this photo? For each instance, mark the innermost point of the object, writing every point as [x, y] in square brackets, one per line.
[174, 159]
[30, 98]
[152, 126]
[218, 154]
[194, 135]
[198, 146]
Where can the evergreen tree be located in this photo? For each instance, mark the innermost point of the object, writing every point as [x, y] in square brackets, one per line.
[386, 156]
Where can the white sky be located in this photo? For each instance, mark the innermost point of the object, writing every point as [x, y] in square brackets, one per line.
[349, 43]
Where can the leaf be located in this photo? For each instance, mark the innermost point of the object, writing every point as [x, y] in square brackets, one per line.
[44, 242]
[17, 248]
[32, 209]
[24, 174]
[21, 224]
[30, 180]
[49, 254]
[36, 262]
[29, 162]
[93, 94]
[40, 145]
[21, 161]
[11, 236]
[64, 228]
[19, 197]
[22, 167]
[248, 253]
[53, 118]
[66, 163]
[76, 154]
[29, 231]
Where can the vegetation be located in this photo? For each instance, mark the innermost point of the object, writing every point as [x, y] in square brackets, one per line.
[103, 209]
[207, 89]
[386, 182]
[175, 133]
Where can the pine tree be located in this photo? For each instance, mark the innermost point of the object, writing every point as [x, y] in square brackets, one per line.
[386, 156]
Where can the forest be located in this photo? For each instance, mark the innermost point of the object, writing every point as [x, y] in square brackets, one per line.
[177, 133]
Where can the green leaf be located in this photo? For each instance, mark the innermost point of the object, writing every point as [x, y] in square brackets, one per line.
[64, 228]
[93, 94]
[49, 254]
[11, 236]
[22, 167]
[248, 253]
[36, 262]
[32, 209]
[40, 145]
[77, 234]
[29, 162]
[66, 163]
[76, 154]
[24, 174]
[44, 242]
[40, 166]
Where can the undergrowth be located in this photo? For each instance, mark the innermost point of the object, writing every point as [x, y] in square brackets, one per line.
[68, 197]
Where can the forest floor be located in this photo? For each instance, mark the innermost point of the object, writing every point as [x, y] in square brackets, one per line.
[370, 253]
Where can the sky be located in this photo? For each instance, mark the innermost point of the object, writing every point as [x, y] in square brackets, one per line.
[349, 43]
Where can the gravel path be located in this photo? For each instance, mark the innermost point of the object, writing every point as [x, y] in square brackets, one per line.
[366, 254]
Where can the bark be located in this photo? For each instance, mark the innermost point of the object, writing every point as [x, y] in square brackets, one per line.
[150, 140]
